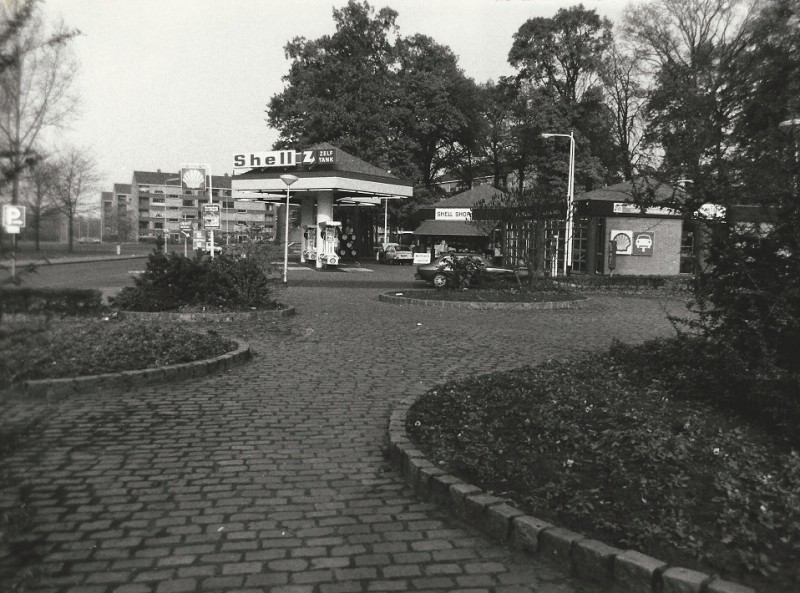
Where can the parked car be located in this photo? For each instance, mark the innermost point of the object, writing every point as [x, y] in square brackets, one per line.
[394, 253]
[440, 271]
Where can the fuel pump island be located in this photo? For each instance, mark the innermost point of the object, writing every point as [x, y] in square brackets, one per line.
[330, 182]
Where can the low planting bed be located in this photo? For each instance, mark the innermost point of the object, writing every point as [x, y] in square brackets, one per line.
[656, 448]
[491, 295]
[38, 349]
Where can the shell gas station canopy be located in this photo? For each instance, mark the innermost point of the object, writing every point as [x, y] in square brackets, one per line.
[325, 176]
[322, 169]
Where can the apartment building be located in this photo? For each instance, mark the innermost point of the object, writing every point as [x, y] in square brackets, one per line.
[162, 205]
[117, 216]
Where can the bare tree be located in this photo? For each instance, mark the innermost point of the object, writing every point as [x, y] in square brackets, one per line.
[37, 70]
[38, 195]
[76, 180]
[625, 93]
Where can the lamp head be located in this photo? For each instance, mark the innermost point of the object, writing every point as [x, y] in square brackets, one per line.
[546, 135]
[288, 179]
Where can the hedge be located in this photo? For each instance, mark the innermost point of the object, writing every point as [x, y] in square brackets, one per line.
[630, 283]
[48, 301]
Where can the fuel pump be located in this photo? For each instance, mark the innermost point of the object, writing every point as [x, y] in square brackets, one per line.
[309, 242]
[329, 232]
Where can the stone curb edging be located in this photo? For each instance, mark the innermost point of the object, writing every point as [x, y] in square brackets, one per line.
[404, 300]
[620, 571]
[130, 379]
[212, 317]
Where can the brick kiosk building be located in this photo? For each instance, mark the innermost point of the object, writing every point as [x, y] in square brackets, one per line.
[649, 242]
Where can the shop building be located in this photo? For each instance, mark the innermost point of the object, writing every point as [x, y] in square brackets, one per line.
[610, 233]
[448, 224]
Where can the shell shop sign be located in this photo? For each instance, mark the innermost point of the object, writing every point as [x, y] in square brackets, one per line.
[283, 158]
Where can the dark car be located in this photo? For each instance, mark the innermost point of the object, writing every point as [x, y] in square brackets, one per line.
[440, 271]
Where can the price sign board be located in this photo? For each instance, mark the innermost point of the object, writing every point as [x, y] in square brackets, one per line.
[211, 216]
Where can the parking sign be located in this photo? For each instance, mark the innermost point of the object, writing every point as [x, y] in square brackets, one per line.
[13, 218]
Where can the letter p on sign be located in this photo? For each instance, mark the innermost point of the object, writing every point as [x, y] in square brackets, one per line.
[13, 218]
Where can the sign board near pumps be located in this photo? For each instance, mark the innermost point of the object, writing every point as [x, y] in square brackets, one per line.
[284, 158]
[211, 216]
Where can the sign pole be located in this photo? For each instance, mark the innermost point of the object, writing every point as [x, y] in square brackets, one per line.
[211, 201]
[13, 256]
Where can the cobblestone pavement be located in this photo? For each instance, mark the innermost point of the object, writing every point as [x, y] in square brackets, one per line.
[270, 477]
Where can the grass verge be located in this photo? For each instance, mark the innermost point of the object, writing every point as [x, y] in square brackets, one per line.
[627, 447]
[89, 346]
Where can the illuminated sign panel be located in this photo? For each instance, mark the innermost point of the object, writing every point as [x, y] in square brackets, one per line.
[626, 208]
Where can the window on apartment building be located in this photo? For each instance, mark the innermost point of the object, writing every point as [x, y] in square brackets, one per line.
[174, 207]
[157, 200]
[189, 203]
[190, 216]
[142, 224]
[158, 225]
[228, 205]
[173, 220]
[242, 211]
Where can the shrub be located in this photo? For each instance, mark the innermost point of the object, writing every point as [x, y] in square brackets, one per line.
[464, 272]
[173, 282]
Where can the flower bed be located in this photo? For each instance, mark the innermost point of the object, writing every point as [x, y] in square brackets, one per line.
[39, 350]
[609, 447]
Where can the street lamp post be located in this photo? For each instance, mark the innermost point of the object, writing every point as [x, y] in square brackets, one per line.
[570, 197]
[288, 179]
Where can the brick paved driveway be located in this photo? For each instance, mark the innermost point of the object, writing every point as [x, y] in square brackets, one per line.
[270, 477]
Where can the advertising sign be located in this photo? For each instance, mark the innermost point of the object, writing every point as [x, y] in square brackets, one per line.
[453, 214]
[283, 158]
[643, 243]
[624, 241]
[199, 240]
[193, 178]
[211, 216]
[13, 218]
[422, 258]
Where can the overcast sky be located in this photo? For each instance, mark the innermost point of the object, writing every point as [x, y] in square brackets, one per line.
[167, 82]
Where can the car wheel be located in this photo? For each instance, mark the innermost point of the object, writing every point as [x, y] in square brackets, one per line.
[440, 280]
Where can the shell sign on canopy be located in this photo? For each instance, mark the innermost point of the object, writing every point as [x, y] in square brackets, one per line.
[283, 158]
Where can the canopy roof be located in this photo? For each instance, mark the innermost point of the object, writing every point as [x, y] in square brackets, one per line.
[347, 177]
